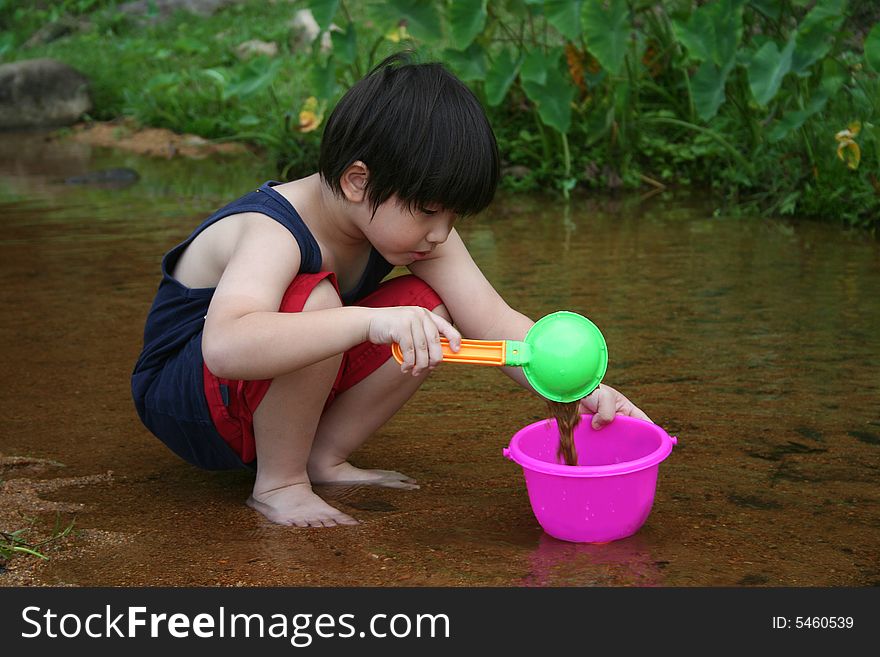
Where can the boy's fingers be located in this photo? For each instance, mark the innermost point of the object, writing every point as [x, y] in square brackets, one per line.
[605, 402]
[449, 331]
[628, 408]
[435, 351]
[406, 347]
[420, 344]
[605, 408]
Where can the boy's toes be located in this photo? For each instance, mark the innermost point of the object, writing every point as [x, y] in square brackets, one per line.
[346, 474]
[336, 520]
[392, 479]
[298, 506]
[391, 474]
[394, 483]
[387, 477]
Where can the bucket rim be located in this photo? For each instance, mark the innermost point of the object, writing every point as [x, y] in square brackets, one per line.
[515, 454]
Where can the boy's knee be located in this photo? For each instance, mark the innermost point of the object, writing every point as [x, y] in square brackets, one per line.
[322, 297]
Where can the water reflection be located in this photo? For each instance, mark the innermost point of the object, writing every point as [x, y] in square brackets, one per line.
[627, 562]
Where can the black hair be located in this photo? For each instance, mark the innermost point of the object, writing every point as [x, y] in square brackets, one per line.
[422, 134]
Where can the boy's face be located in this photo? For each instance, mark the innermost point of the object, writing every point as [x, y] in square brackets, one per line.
[403, 237]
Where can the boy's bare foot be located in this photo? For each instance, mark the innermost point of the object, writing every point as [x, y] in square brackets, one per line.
[346, 473]
[298, 505]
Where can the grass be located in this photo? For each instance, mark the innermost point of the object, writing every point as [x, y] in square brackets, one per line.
[13, 543]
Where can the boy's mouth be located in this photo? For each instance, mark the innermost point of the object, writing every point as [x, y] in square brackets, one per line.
[418, 255]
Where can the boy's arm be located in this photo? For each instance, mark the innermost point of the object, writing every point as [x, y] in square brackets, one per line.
[477, 309]
[245, 337]
[480, 313]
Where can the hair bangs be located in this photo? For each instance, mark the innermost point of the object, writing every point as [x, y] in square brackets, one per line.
[422, 134]
[456, 171]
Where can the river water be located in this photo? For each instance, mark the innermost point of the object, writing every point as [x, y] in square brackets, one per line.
[755, 342]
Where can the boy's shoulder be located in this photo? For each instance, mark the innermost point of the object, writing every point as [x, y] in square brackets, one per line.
[263, 200]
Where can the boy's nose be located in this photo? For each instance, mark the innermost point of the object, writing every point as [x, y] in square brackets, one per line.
[436, 239]
[439, 232]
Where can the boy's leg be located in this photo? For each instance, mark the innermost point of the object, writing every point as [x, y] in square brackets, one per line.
[352, 418]
[360, 410]
[284, 427]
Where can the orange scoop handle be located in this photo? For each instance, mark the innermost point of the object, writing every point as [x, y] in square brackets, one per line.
[475, 352]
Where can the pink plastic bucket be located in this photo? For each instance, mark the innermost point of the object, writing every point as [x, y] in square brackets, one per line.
[608, 494]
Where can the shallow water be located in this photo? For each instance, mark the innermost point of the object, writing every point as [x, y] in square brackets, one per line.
[755, 342]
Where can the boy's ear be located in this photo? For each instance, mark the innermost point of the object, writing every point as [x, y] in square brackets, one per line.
[354, 181]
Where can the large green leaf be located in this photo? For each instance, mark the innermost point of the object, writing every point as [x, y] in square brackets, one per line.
[770, 8]
[767, 69]
[323, 11]
[791, 121]
[607, 32]
[695, 36]
[707, 87]
[728, 26]
[254, 78]
[552, 98]
[834, 74]
[466, 19]
[469, 65]
[536, 65]
[422, 18]
[345, 44]
[500, 76]
[565, 16]
[322, 79]
[872, 48]
[815, 34]
[713, 32]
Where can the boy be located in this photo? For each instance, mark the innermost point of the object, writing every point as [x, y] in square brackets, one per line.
[268, 342]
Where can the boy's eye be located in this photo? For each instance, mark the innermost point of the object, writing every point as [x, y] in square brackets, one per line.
[428, 211]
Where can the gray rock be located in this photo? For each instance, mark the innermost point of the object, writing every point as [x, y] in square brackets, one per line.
[304, 30]
[256, 47]
[41, 93]
[116, 178]
[516, 171]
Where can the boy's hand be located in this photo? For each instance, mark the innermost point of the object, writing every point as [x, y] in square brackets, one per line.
[605, 402]
[417, 331]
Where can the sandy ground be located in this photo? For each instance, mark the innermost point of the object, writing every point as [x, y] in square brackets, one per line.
[22, 491]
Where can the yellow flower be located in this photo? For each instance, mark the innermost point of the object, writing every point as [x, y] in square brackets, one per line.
[310, 116]
[847, 149]
[398, 34]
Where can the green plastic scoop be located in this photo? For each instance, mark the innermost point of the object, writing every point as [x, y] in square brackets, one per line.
[564, 355]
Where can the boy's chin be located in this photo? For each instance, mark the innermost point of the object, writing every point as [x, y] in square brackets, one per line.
[400, 259]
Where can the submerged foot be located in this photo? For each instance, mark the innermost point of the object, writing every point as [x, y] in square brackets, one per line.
[346, 473]
[298, 505]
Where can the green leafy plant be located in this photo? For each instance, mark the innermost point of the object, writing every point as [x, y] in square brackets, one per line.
[743, 96]
[12, 543]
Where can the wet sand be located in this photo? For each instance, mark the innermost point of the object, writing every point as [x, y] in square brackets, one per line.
[754, 342]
